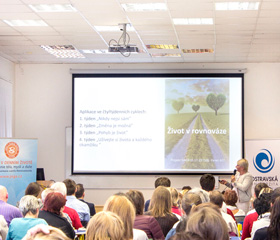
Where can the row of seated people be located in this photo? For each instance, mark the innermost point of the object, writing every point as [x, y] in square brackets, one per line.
[198, 213]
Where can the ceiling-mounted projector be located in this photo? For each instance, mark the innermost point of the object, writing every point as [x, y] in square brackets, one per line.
[122, 45]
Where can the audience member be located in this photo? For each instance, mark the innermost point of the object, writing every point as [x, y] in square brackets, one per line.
[242, 182]
[72, 202]
[186, 236]
[208, 223]
[72, 213]
[204, 196]
[160, 209]
[34, 189]
[105, 225]
[230, 197]
[143, 222]
[262, 206]
[29, 205]
[7, 210]
[52, 212]
[252, 215]
[161, 181]
[174, 200]
[80, 194]
[123, 207]
[45, 232]
[3, 228]
[207, 182]
[217, 198]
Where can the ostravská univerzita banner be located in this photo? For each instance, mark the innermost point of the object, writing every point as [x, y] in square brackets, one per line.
[264, 161]
[18, 164]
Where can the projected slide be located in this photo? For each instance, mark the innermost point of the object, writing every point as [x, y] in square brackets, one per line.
[156, 124]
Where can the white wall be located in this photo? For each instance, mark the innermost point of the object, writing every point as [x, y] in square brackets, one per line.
[43, 97]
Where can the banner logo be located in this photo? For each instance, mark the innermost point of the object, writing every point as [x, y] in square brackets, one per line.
[264, 161]
[11, 150]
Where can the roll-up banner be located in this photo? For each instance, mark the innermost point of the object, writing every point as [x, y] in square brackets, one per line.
[264, 161]
[18, 164]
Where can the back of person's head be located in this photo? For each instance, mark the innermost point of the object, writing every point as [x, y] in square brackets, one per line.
[3, 193]
[243, 163]
[124, 208]
[206, 205]
[60, 187]
[274, 227]
[174, 196]
[80, 190]
[186, 188]
[204, 195]
[54, 202]
[262, 203]
[207, 182]
[216, 197]
[186, 236]
[54, 234]
[189, 200]
[34, 189]
[45, 193]
[160, 204]
[208, 224]
[70, 186]
[105, 225]
[259, 187]
[230, 197]
[138, 201]
[275, 194]
[29, 203]
[162, 181]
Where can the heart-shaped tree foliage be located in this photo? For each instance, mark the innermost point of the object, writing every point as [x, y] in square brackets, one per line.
[177, 105]
[195, 107]
[215, 102]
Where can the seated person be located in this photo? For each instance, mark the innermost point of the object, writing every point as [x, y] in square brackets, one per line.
[230, 197]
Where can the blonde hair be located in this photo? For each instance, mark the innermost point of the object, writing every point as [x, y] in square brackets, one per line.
[55, 234]
[208, 224]
[243, 163]
[105, 226]
[160, 204]
[124, 208]
[174, 196]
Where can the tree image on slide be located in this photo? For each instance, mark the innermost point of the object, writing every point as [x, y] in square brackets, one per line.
[195, 107]
[177, 105]
[215, 102]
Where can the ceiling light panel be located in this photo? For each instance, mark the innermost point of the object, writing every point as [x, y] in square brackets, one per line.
[162, 46]
[52, 8]
[26, 23]
[193, 21]
[230, 6]
[63, 51]
[144, 7]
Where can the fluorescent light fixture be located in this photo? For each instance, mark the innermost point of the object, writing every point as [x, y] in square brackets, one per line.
[223, 6]
[112, 28]
[162, 46]
[166, 55]
[63, 51]
[144, 7]
[98, 51]
[26, 23]
[198, 50]
[52, 7]
[193, 21]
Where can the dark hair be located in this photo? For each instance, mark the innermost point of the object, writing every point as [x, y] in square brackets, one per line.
[207, 182]
[217, 198]
[70, 186]
[230, 197]
[275, 194]
[259, 187]
[186, 236]
[273, 231]
[33, 189]
[262, 203]
[138, 201]
[162, 181]
[80, 190]
[54, 202]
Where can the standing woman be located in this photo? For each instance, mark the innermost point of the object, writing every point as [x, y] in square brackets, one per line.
[160, 209]
[242, 183]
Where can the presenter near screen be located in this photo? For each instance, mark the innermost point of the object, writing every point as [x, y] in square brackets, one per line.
[242, 183]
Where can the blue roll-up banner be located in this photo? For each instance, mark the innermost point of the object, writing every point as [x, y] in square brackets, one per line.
[264, 161]
[18, 166]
